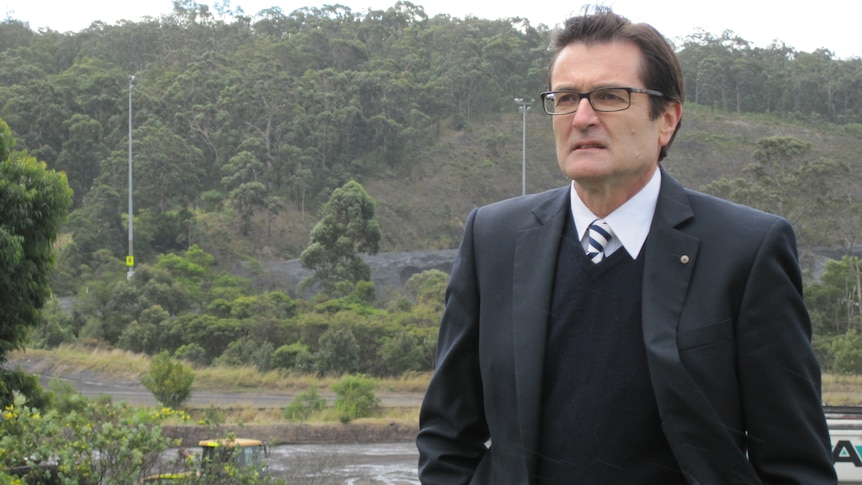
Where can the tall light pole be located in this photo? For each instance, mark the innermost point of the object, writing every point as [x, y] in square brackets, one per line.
[524, 106]
[130, 258]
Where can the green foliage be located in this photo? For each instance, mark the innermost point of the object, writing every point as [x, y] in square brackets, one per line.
[360, 300]
[192, 353]
[93, 444]
[304, 405]
[834, 301]
[161, 232]
[282, 306]
[224, 134]
[56, 328]
[245, 351]
[144, 335]
[785, 180]
[338, 352]
[355, 398]
[18, 382]
[291, 357]
[168, 380]
[846, 353]
[35, 203]
[428, 288]
[66, 398]
[211, 333]
[7, 141]
[347, 227]
[401, 353]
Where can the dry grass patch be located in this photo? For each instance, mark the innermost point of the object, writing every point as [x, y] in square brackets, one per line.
[119, 365]
[842, 390]
[111, 364]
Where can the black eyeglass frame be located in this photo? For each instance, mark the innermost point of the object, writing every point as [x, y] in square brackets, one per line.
[589, 96]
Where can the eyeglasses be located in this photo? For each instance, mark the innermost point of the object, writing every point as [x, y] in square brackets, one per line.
[603, 99]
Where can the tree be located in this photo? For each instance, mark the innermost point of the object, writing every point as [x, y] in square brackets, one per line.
[347, 227]
[168, 168]
[339, 352]
[428, 288]
[834, 301]
[401, 353]
[785, 180]
[169, 380]
[35, 203]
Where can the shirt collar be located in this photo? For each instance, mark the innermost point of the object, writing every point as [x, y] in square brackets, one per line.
[630, 222]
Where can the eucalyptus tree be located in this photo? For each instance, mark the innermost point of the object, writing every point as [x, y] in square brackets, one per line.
[242, 178]
[347, 227]
[82, 153]
[168, 168]
[814, 80]
[785, 179]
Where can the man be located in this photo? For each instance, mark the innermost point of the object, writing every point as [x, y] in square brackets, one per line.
[623, 330]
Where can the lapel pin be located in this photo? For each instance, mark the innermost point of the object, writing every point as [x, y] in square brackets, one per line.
[684, 259]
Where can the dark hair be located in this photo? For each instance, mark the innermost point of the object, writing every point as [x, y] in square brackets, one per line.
[660, 69]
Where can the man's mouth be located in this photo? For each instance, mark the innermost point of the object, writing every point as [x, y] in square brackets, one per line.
[582, 146]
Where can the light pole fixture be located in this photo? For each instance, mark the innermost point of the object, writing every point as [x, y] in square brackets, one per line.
[130, 258]
[524, 106]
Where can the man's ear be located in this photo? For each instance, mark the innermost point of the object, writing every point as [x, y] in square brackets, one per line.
[669, 122]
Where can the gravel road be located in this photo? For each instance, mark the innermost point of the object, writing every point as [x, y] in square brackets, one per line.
[91, 384]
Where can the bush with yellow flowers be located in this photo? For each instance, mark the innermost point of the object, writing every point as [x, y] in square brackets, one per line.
[102, 443]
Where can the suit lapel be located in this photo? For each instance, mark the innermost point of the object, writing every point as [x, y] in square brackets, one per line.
[694, 430]
[669, 258]
[534, 269]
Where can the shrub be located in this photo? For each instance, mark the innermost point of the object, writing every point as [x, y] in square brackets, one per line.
[339, 352]
[287, 356]
[246, 351]
[355, 398]
[100, 443]
[304, 405]
[27, 385]
[401, 353]
[847, 353]
[192, 353]
[168, 380]
[66, 398]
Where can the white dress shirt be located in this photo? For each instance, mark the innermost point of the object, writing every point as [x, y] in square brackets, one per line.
[630, 222]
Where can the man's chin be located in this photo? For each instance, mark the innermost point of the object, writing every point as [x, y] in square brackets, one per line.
[585, 169]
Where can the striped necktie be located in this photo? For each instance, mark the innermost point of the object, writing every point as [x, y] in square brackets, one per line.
[599, 234]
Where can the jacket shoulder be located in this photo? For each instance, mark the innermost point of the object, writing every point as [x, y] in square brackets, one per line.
[526, 208]
[709, 205]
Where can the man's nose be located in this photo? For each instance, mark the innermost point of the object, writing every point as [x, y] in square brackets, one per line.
[585, 115]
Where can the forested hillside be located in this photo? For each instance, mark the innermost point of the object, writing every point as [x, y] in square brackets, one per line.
[244, 125]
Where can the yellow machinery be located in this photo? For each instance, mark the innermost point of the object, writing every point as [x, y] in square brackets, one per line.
[217, 456]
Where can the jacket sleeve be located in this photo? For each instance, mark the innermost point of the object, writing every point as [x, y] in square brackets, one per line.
[787, 436]
[452, 427]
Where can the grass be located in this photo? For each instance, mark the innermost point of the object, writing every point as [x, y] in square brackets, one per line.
[838, 390]
[842, 390]
[123, 366]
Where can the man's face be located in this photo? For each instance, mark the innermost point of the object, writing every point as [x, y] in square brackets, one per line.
[608, 151]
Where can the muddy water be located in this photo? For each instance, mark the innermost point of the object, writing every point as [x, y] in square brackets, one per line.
[346, 464]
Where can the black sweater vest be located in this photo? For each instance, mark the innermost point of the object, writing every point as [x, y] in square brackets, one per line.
[600, 424]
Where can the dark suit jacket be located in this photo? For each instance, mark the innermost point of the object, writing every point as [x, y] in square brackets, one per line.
[726, 333]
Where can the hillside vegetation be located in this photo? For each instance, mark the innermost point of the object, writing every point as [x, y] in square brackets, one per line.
[243, 126]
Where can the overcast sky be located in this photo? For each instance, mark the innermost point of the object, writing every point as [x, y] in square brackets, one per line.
[832, 24]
